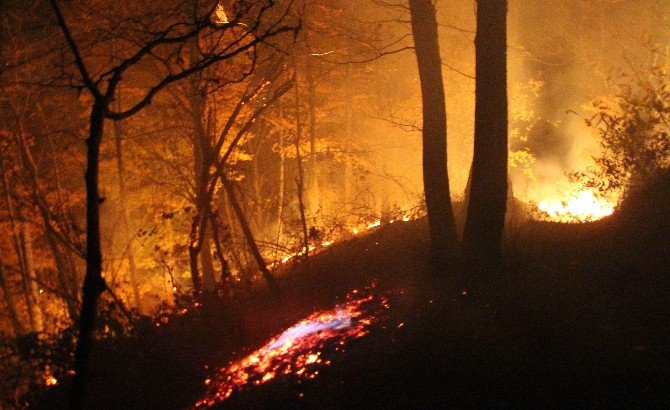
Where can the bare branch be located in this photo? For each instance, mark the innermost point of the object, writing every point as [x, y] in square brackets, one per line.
[90, 85]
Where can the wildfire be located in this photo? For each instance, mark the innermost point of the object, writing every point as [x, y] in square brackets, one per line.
[360, 229]
[298, 350]
[579, 206]
[374, 224]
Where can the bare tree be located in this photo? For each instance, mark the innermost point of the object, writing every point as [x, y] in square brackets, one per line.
[260, 22]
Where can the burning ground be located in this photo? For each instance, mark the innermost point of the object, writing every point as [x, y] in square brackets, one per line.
[298, 351]
[580, 316]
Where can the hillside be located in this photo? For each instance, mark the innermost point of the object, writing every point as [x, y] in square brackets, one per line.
[580, 317]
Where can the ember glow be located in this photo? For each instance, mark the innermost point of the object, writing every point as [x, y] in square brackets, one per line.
[580, 206]
[297, 351]
[355, 231]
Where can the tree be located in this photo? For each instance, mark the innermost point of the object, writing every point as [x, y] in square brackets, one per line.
[443, 240]
[487, 204]
[104, 88]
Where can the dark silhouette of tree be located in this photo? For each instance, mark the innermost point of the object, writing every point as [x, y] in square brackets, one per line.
[104, 89]
[489, 185]
[443, 240]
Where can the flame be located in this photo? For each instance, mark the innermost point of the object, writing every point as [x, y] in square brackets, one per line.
[220, 16]
[296, 351]
[48, 378]
[374, 224]
[579, 206]
[356, 230]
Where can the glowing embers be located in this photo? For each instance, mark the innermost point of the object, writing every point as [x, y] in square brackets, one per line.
[297, 352]
[579, 206]
[48, 378]
[359, 229]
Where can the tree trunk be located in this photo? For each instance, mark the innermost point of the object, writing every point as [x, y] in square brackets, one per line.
[263, 217]
[65, 265]
[443, 240]
[206, 261]
[32, 289]
[123, 203]
[281, 185]
[94, 284]
[64, 274]
[224, 207]
[17, 327]
[16, 238]
[488, 192]
[466, 199]
[202, 158]
[23, 247]
[313, 178]
[348, 137]
[218, 247]
[73, 279]
[300, 181]
[246, 230]
[47, 325]
[193, 251]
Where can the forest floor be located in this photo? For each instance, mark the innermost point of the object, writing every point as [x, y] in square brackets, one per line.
[580, 317]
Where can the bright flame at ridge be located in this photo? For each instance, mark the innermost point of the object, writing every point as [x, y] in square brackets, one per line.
[579, 206]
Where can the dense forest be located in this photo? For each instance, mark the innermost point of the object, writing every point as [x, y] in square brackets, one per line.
[323, 203]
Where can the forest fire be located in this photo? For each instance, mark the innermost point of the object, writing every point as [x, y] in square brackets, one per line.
[314, 249]
[580, 206]
[187, 172]
[297, 351]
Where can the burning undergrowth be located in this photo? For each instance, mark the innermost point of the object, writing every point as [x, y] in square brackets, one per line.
[299, 351]
[578, 206]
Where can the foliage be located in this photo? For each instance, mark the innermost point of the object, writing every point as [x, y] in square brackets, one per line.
[634, 127]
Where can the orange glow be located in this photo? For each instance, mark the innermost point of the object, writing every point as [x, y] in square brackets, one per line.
[360, 229]
[298, 350]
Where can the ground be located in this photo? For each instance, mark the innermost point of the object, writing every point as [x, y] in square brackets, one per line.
[580, 317]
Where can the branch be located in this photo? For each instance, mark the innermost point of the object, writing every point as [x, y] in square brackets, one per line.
[169, 79]
[457, 71]
[283, 89]
[378, 56]
[75, 51]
